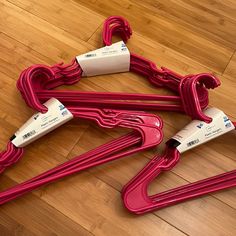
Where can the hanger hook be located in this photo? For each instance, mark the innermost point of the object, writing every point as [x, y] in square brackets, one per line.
[115, 25]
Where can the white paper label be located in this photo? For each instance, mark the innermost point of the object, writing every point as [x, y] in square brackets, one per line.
[42, 123]
[198, 132]
[106, 60]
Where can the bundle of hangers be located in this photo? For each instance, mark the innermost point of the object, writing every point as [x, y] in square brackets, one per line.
[113, 109]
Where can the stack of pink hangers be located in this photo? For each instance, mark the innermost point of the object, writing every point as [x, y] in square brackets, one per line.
[191, 89]
[147, 134]
[36, 84]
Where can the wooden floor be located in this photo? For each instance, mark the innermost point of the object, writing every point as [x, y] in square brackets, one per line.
[187, 36]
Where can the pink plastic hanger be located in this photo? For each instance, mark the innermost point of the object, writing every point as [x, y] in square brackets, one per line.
[135, 192]
[148, 126]
[150, 134]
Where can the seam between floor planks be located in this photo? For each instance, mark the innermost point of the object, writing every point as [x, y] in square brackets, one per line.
[234, 53]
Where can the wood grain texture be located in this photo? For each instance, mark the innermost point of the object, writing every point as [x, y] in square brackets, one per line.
[186, 36]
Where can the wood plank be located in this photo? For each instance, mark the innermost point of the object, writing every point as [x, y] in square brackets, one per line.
[65, 15]
[198, 17]
[9, 226]
[33, 216]
[38, 34]
[225, 8]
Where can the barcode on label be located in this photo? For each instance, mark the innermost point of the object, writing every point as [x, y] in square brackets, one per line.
[25, 136]
[193, 142]
[90, 55]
